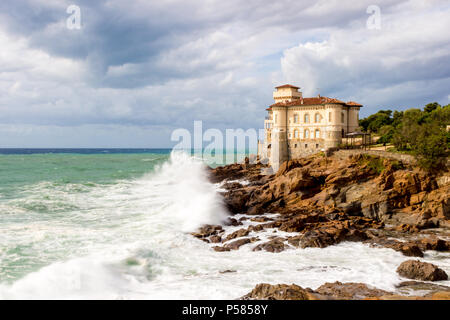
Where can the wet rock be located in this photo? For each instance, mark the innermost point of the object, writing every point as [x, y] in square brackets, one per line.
[295, 224]
[215, 239]
[349, 291]
[236, 200]
[411, 286]
[411, 250]
[406, 248]
[237, 234]
[228, 271]
[207, 230]
[233, 222]
[407, 228]
[415, 269]
[274, 246]
[235, 245]
[221, 249]
[261, 219]
[315, 239]
[435, 244]
[265, 291]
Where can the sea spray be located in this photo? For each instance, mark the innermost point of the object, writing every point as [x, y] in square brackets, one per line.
[193, 199]
[129, 238]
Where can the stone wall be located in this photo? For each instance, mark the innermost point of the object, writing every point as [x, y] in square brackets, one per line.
[405, 158]
[299, 148]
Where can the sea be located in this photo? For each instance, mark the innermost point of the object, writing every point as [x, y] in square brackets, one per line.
[116, 224]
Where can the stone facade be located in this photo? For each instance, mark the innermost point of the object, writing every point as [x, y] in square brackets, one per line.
[296, 126]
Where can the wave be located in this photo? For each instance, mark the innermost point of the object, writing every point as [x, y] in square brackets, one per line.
[130, 240]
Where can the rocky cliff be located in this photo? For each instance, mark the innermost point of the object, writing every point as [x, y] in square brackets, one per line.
[322, 201]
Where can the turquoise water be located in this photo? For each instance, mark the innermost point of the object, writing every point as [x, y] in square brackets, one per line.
[111, 225]
[41, 192]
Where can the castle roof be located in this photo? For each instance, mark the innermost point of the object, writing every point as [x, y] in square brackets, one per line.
[287, 86]
[313, 101]
[353, 103]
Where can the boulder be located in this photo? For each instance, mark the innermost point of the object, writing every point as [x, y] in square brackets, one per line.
[349, 291]
[237, 234]
[235, 245]
[274, 246]
[265, 291]
[415, 269]
[207, 230]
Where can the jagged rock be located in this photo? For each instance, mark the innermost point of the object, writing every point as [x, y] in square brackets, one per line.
[410, 250]
[275, 245]
[349, 291]
[221, 249]
[261, 219]
[415, 269]
[410, 286]
[215, 239]
[237, 234]
[233, 222]
[265, 291]
[235, 245]
[207, 230]
[435, 244]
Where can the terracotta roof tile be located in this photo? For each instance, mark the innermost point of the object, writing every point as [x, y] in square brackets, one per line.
[309, 102]
[353, 103]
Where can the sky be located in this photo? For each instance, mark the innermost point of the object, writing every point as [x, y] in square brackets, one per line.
[136, 70]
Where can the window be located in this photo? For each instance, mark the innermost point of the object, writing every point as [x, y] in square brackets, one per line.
[317, 118]
[276, 116]
[317, 146]
[296, 118]
[342, 117]
[317, 134]
[295, 134]
[329, 116]
[306, 134]
[307, 118]
[295, 145]
[306, 145]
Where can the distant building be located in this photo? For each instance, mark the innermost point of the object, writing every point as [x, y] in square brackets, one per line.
[296, 126]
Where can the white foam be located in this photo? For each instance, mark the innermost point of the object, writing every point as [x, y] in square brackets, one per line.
[130, 241]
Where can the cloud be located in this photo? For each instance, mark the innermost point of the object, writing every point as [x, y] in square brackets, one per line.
[153, 66]
[405, 62]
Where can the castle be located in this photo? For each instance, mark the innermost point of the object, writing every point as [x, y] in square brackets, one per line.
[296, 126]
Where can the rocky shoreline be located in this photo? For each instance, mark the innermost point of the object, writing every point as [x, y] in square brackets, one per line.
[321, 201]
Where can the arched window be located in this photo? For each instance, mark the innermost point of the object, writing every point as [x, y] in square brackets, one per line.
[317, 134]
[296, 118]
[307, 118]
[317, 118]
[295, 134]
[306, 134]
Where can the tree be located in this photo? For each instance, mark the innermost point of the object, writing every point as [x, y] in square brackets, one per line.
[374, 122]
[431, 146]
[407, 131]
[431, 106]
[387, 133]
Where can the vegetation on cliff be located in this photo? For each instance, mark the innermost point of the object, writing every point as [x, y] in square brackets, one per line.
[422, 133]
